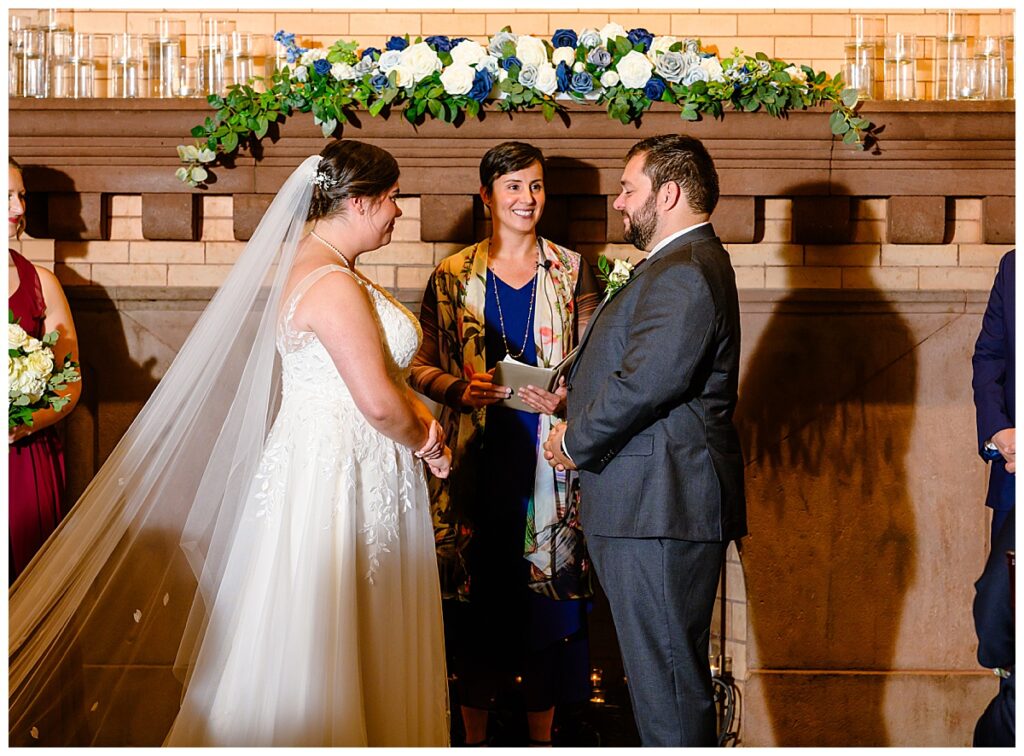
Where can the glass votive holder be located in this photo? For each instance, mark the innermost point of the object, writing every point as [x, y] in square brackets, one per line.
[188, 78]
[988, 68]
[859, 66]
[1006, 43]
[15, 55]
[951, 68]
[866, 28]
[240, 58]
[88, 50]
[126, 71]
[33, 61]
[900, 66]
[163, 59]
[211, 64]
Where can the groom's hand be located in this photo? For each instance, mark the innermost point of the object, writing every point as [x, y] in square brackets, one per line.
[553, 452]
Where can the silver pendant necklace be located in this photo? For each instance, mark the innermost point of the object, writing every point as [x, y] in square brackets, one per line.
[529, 313]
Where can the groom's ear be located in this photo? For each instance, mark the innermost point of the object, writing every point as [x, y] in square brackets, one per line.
[670, 195]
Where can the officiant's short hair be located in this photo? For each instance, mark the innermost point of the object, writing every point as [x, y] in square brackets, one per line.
[684, 160]
[508, 157]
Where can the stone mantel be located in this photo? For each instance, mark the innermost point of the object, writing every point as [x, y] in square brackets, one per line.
[78, 150]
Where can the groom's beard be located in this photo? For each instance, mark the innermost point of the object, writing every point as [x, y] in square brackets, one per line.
[642, 224]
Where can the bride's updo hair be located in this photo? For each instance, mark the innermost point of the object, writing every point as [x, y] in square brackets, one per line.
[350, 169]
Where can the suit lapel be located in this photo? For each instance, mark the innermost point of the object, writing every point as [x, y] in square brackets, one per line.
[703, 232]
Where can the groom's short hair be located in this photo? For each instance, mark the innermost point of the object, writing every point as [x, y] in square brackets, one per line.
[684, 160]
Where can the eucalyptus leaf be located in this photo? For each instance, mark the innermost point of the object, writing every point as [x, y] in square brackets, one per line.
[850, 97]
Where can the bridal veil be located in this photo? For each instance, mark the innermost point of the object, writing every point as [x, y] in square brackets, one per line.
[107, 619]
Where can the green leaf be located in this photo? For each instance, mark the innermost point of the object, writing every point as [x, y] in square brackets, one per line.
[229, 143]
[376, 107]
[548, 109]
[262, 124]
[851, 137]
[198, 131]
[849, 97]
[435, 109]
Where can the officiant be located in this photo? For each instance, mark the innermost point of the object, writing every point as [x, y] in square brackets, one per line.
[515, 612]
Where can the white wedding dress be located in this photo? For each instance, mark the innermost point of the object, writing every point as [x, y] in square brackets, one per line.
[327, 630]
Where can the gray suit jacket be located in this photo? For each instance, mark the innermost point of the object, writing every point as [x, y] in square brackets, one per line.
[651, 399]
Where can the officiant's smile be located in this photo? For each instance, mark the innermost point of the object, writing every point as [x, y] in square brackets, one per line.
[517, 199]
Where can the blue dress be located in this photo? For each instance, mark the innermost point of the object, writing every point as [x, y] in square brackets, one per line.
[519, 624]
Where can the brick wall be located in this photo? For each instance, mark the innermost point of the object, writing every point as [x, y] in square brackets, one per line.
[774, 263]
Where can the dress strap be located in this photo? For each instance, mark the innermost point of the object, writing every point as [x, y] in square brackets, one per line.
[29, 293]
[307, 282]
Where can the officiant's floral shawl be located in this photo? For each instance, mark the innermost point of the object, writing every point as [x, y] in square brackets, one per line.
[451, 79]
[452, 317]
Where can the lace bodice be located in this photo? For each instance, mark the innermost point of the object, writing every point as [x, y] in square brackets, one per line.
[306, 364]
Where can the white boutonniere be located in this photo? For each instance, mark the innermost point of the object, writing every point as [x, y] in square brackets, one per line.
[614, 276]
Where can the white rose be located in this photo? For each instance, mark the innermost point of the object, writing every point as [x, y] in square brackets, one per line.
[311, 55]
[502, 75]
[795, 73]
[634, 70]
[531, 51]
[621, 272]
[389, 60]
[713, 67]
[22, 379]
[547, 80]
[458, 79]
[609, 79]
[611, 31]
[421, 60]
[343, 71]
[16, 336]
[579, 67]
[32, 345]
[468, 52]
[489, 63]
[660, 45]
[41, 363]
[565, 55]
[301, 74]
[404, 76]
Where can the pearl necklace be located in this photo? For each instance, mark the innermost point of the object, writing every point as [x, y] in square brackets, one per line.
[334, 249]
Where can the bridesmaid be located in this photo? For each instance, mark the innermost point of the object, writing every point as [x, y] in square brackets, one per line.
[35, 458]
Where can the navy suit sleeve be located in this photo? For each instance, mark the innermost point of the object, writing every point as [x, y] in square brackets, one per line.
[990, 370]
[667, 339]
[993, 612]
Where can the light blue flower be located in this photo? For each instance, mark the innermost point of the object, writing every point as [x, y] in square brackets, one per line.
[670, 66]
[498, 41]
[590, 38]
[528, 76]
[599, 57]
[695, 74]
[691, 46]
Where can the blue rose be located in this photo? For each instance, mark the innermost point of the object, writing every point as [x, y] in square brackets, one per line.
[599, 57]
[397, 43]
[440, 43]
[482, 85]
[582, 83]
[510, 61]
[528, 76]
[373, 52]
[640, 36]
[322, 66]
[655, 88]
[457, 40]
[379, 81]
[563, 74]
[564, 38]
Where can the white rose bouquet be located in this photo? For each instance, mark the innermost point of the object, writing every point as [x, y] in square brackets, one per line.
[33, 377]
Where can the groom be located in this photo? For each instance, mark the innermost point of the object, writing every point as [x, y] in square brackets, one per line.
[650, 404]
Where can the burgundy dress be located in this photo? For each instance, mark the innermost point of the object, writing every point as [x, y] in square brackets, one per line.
[35, 464]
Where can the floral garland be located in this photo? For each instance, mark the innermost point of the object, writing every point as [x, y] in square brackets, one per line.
[451, 79]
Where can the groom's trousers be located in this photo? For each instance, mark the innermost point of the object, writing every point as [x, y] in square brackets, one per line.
[662, 593]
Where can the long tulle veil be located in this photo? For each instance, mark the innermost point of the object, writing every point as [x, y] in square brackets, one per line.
[106, 620]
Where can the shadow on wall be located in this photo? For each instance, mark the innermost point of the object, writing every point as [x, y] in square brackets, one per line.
[826, 406]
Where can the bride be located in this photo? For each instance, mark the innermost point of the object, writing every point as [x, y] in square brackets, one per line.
[286, 576]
